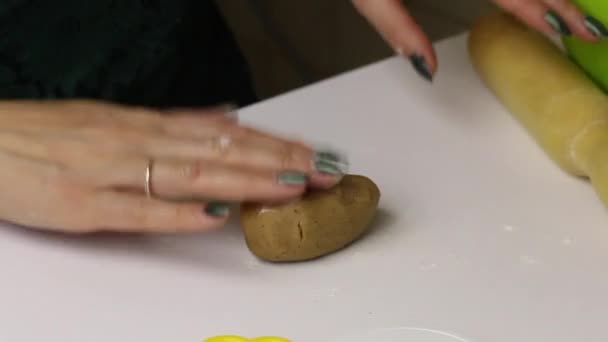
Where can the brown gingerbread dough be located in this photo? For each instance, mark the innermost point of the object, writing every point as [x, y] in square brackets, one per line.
[320, 223]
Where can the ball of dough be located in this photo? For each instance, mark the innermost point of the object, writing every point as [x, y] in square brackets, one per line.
[319, 223]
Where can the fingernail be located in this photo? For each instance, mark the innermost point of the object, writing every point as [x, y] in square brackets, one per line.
[596, 27]
[421, 66]
[292, 178]
[331, 163]
[558, 24]
[217, 209]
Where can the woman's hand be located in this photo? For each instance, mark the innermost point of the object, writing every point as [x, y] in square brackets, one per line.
[80, 166]
[556, 17]
[392, 20]
[399, 29]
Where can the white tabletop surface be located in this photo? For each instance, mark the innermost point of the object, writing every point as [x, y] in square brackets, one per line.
[479, 235]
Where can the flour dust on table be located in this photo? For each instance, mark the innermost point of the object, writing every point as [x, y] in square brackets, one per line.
[528, 260]
[567, 241]
[508, 228]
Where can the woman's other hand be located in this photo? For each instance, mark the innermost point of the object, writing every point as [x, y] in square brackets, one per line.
[80, 166]
[400, 30]
[560, 17]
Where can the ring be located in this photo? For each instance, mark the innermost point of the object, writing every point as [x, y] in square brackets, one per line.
[148, 179]
[221, 143]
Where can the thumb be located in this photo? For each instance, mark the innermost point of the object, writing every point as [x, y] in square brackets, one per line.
[399, 29]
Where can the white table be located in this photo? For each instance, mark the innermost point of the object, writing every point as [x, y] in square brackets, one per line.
[479, 235]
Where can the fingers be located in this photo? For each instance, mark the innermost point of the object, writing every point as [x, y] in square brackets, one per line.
[392, 20]
[97, 158]
[226, 142]
[135, 213]
[203, 180]
[207, 156]
[533, 13]
[573, 18]
[224, 182]
[194, 118]
[227, 148]
[556, 17]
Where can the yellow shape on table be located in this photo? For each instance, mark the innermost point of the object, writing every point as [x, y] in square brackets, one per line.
[242, 339]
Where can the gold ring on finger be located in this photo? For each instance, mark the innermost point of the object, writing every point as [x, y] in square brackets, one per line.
[148, 179]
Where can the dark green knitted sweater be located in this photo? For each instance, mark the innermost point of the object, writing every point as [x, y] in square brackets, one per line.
[146, 52]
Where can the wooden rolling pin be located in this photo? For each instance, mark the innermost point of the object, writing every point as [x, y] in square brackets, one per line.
[561, 108]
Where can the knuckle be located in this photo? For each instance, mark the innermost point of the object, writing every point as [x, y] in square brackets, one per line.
[287, 156]
[222, 145]
[295, 157]
[191, 171]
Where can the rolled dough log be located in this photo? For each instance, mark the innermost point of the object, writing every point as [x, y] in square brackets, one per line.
[562, 109]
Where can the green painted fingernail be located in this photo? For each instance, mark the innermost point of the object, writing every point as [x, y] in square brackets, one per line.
[596, 27]
[330, 163]
[292, 178]
[422, 67]
[558, 24]
[330, 156]
[217, 209]
[328, 168]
